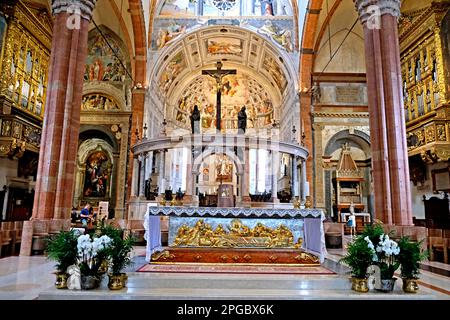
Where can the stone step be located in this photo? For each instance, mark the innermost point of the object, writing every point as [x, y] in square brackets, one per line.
[150, 286]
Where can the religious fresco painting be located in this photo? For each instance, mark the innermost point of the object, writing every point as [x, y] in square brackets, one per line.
[277, 31]
[273, 69]
[97, 101]
[178, 8]
[224, 45]
[97, 175]
[104, 62]
[282, 37]
[226, 8]
[171, 71]
[238, 90]
[168, 33]
[177, 17]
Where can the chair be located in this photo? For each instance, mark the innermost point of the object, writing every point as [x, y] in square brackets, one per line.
[334, 234]
[446, 244]
[6, 240]
[7, 225]
[434, 232]
[436, 244]
[394, 232]
[416, 234]
[55, 227]
[136, 229]
[40, 233]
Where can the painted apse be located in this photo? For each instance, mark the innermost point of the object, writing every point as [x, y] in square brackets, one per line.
[179, 90]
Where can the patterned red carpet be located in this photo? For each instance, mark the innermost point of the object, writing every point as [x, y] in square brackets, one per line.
[196, 268]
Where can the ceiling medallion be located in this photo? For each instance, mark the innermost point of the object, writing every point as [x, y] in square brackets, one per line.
[224, 5]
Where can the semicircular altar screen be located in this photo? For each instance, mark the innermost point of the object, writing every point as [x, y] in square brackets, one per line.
[238, 91]
[97, 175]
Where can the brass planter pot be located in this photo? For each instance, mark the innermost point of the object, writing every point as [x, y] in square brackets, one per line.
[124, 279]
[61, 280]
[360, 285]
[410, 285]
[116, 282]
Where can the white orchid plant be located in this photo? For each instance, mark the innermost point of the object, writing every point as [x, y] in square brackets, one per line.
[384, 255]
[91, 253]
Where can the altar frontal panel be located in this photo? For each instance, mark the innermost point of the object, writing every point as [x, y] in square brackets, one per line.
[235, 232]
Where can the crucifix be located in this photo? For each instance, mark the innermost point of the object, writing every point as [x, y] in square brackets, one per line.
[218, 75]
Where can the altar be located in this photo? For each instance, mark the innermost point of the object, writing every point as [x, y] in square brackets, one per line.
[236, 235]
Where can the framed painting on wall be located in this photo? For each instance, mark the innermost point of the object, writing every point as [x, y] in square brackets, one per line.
[441, 180]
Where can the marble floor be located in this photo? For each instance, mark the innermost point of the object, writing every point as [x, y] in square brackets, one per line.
[30, 278]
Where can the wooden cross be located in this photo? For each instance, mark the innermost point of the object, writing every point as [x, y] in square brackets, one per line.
[218, 75]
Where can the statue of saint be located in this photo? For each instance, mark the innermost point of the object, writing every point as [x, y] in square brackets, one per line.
[195, 120]
[242, 120]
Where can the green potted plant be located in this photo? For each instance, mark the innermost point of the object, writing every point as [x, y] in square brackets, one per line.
[62, 248]
[358, 258]
[360, 255]
[119, 253]
[411, 254]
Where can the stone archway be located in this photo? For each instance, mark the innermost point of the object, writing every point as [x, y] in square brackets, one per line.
[359, 142]
[358, 137]
[200, 159]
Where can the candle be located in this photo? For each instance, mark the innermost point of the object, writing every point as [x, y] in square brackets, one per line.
[165, 109]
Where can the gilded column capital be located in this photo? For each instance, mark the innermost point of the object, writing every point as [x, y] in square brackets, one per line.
[372, 9]
[84, 8]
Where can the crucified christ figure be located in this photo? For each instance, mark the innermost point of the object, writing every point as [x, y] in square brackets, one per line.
[218, 75]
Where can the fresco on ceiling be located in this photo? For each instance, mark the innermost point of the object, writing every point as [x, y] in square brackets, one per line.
[225, 8]
[92, 102]
[279, 32]
[178, 8]
[104, 62]
[282, 37]
[168, 33]
[271, 66]
[171, 71]
[238, 91]
[224, 45]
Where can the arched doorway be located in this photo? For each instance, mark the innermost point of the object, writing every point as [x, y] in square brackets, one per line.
[358, 143]
[217, 175]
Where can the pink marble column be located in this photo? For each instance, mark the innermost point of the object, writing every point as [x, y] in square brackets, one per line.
[59, 141]
[387, 125]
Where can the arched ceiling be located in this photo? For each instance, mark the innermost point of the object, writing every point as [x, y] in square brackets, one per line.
[180, 63]
[265, 74]
[332, 19]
